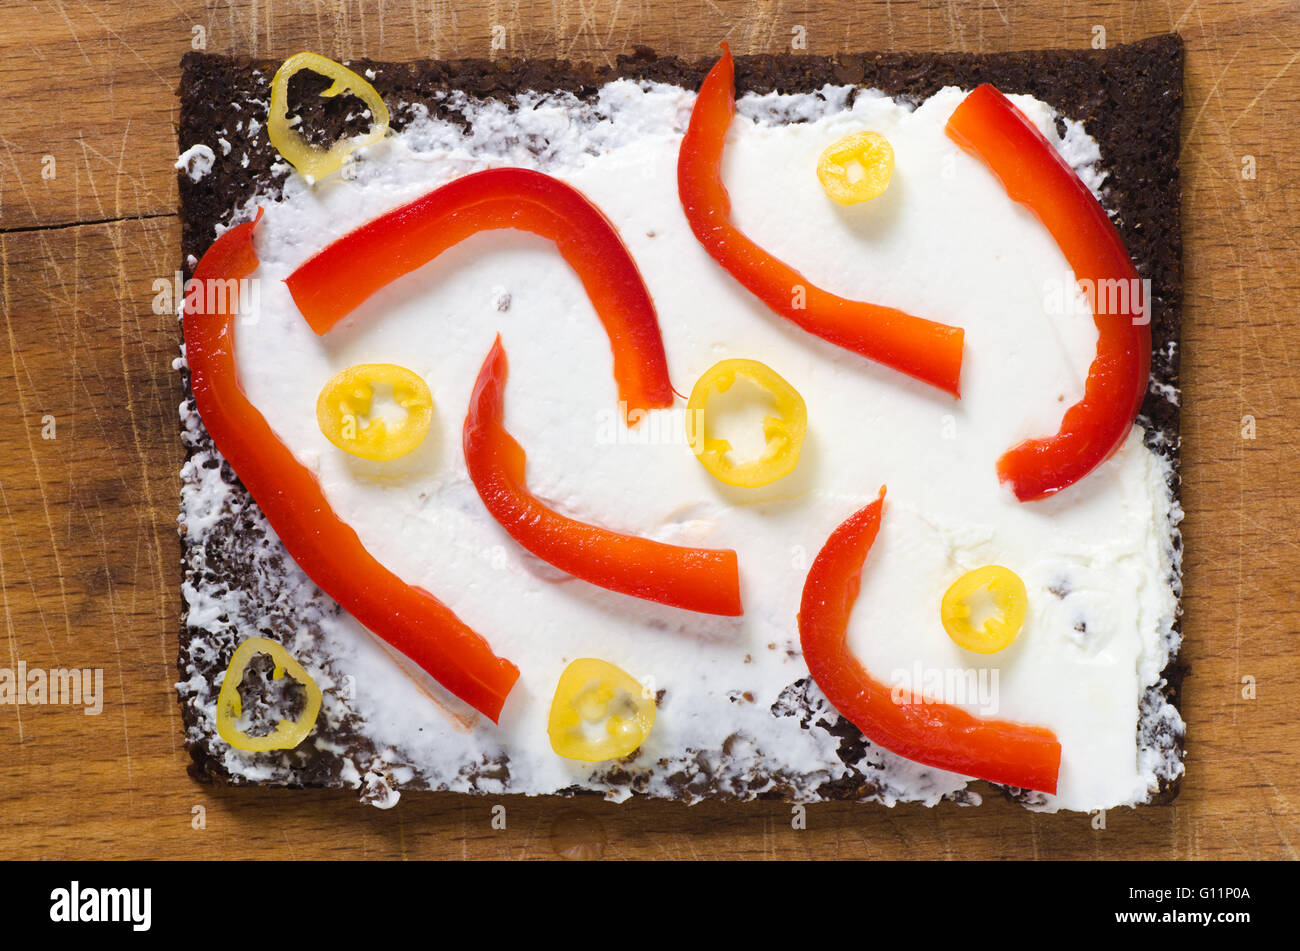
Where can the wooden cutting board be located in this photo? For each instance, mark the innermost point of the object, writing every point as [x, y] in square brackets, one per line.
[89, 450]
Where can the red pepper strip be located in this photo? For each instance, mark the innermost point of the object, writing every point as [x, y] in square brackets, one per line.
[409, 618]
[929, 351]
[936, 734]
[698, 579]
[1033, 173]
[335, 281]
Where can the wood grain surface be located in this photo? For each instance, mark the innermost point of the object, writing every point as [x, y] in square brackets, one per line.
[88, 549]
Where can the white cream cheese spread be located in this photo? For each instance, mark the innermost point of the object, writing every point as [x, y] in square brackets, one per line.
[943, 242]
[196, 161]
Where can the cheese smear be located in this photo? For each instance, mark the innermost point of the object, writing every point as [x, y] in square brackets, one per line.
[943, 242]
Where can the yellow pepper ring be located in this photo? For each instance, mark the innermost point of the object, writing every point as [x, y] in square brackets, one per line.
[591, 691]
[784, 431]
[343, 411]
[287, 733]
[866, 152]
[312, 162]
[1000, 629]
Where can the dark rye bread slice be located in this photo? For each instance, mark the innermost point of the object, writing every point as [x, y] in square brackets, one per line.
[1129, 97]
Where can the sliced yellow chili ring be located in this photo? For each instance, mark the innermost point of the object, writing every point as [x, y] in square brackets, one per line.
[856, 168]
[1001, 627]
[343, 411]
[600, 712]
[287, 733]
[315, 163]
[784, 431]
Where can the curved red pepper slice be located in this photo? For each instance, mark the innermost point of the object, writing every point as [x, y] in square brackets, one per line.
[698, 579]
[336, 280]
[929, 351]
[409, 618]
[936, 734]
[988, 126]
